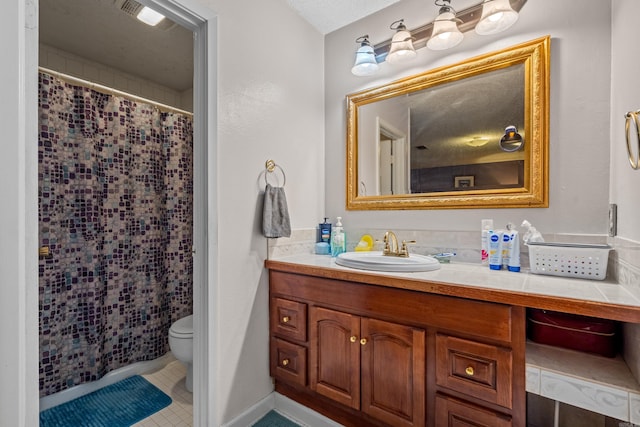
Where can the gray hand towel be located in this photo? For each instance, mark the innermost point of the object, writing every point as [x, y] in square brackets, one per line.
[275, 214]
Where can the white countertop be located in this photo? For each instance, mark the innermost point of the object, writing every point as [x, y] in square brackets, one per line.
[480, 276]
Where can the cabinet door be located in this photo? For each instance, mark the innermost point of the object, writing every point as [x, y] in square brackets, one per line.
[455, 413]
[393, 372]
[334, 355]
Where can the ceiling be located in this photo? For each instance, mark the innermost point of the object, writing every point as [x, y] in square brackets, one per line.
[329, 15]
[99, 31]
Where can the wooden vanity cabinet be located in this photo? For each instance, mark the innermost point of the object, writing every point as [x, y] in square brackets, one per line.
[370, 355]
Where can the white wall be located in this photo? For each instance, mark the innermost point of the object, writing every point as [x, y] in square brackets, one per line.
[625, 96]
[579, 116]
[270, 106]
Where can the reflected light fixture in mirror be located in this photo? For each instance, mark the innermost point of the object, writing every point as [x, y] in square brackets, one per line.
[366, 63]
[445, 28]
[401, 44]
[511, 140]
[497, 16]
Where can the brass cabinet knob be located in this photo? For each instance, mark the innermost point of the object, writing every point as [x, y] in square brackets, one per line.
[469, 371]
[363, 341]
[285, 362]
[353, 338]
[286, 319]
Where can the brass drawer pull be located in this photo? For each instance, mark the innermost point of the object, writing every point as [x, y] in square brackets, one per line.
[353, 338]
[286, 319]
[285, 362]
[469, 371]
[363, 341]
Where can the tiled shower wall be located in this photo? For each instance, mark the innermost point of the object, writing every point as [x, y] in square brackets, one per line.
[76, 66]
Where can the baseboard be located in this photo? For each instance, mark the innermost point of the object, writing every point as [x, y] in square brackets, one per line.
[137, 368]
[301, 414]
[254, 413]
[285, 407]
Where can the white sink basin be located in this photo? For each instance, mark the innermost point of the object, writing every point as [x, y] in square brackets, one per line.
[377, 262]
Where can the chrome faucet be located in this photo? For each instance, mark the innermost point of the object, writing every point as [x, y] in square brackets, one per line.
[391, 247]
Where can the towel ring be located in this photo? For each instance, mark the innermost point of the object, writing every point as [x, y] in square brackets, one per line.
[270, 167]
[633, 160]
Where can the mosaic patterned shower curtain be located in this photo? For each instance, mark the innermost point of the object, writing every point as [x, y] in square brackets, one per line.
[115, 209]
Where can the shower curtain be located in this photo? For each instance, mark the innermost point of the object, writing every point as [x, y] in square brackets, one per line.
[115, 210]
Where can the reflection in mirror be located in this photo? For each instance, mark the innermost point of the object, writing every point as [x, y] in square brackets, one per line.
[511, 140]
[437, 140]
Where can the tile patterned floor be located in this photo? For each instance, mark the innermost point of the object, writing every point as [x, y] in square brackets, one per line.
[170, 380]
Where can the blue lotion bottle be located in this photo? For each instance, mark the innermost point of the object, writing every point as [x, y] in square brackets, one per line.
[495, 250]
[338, 239]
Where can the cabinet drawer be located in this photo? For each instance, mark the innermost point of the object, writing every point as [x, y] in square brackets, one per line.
[289, 362]
[289, 319]
[475, 369]
[455, 413]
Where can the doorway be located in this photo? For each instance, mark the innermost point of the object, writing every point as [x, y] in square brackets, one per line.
[201, 21]
[393, 159]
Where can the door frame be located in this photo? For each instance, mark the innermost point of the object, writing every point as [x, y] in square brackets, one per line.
[398, 139]
[200, 19]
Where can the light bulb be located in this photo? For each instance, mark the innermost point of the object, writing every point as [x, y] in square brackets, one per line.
[497, 16]
[445, 34]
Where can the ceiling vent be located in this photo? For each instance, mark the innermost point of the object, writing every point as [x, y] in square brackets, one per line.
[132, 8]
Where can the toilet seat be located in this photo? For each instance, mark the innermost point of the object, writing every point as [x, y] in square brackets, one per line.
[182, 328]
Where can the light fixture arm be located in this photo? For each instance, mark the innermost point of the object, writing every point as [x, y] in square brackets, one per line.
[398, 25]
[363, 40]
[468, 18]
[445, 6]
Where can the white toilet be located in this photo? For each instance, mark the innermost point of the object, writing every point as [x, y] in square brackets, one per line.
[181, 344]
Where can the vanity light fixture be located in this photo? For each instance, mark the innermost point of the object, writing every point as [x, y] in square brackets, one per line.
[445, 33]
[366, 63]
[401, 44]
[497, 16]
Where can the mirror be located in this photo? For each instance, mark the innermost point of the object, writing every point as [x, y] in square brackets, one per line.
[470, 135]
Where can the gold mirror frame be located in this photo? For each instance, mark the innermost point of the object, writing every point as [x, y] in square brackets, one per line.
[535, 56]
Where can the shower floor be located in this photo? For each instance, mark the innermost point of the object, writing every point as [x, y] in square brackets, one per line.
[170, 380]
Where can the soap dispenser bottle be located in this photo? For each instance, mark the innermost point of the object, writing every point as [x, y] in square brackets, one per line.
[338, 240]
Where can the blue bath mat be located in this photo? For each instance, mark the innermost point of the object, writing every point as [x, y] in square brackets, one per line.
[117, 405]
[273, 419]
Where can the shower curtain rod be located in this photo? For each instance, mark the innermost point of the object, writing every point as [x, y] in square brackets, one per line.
[111, 91]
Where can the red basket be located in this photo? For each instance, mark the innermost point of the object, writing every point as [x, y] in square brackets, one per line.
[582, 333]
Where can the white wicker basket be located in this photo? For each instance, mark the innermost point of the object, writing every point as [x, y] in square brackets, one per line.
[569, 260]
